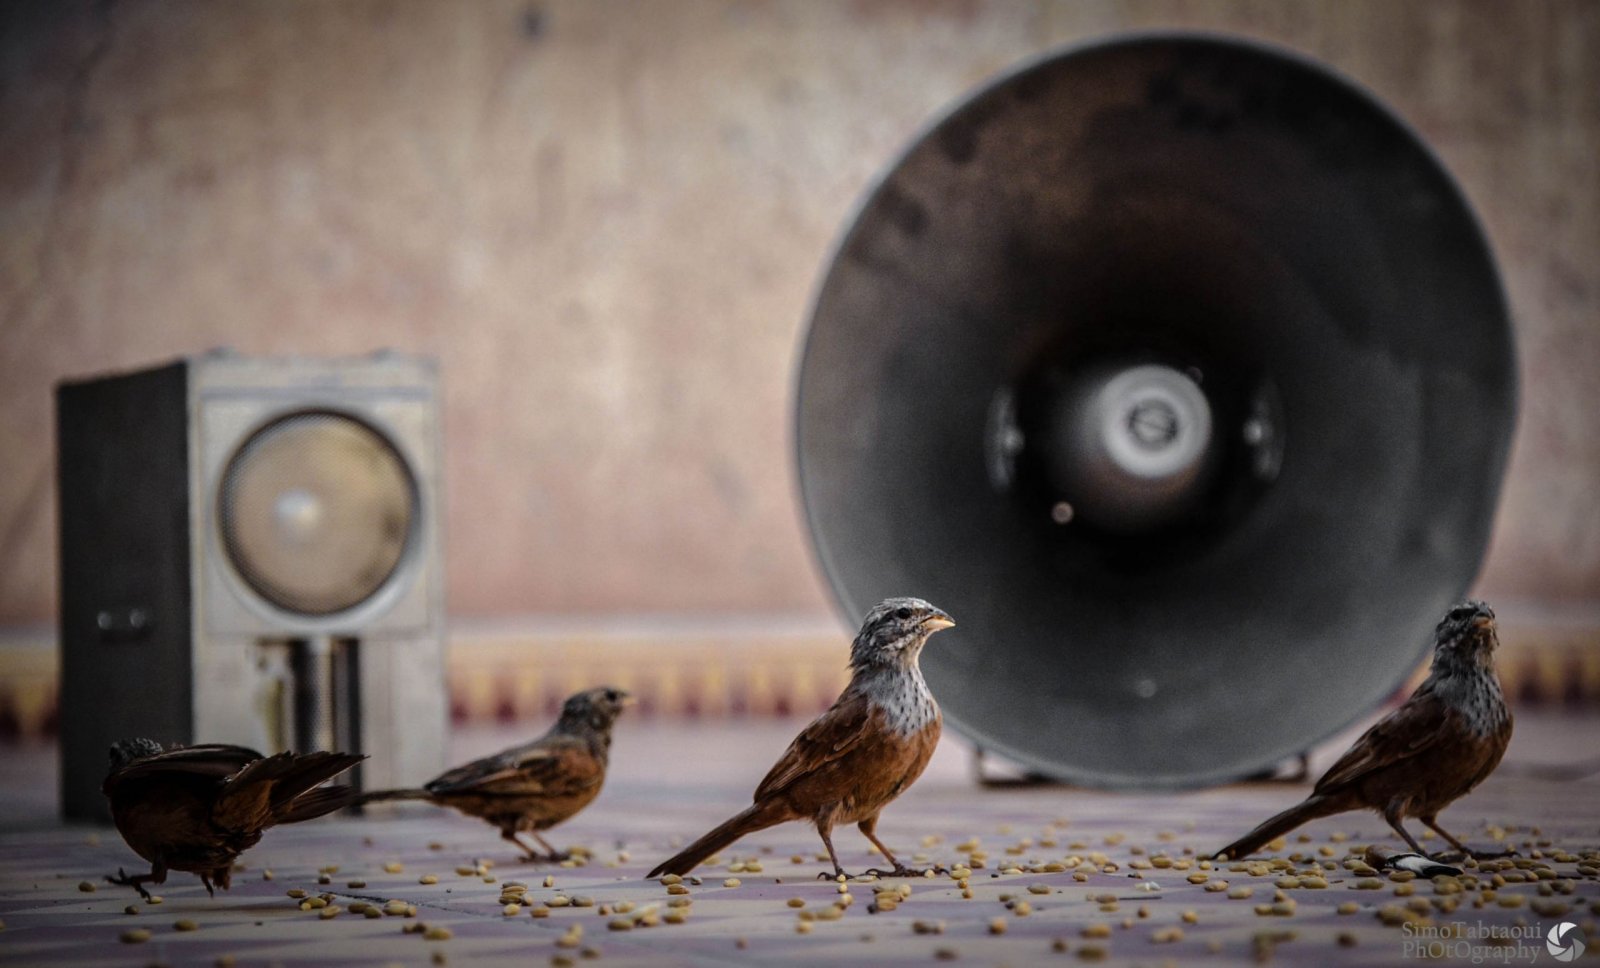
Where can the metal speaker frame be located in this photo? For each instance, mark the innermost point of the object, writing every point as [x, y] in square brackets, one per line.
[1178, 369]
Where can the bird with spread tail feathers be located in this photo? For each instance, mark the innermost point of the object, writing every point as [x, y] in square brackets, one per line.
[860, 754]
[197, 808]
[535, 786]
[1432, 750]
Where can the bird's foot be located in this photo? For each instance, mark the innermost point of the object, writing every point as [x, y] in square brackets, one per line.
[555, 857]
[900, 870]
[123, 880]
[837, 875]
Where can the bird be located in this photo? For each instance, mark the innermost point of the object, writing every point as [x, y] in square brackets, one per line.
[197, 808]
[1433, 749]
[1382, 858]
[851, 761]
[533, 787]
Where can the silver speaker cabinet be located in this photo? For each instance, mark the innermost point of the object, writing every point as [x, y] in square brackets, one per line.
[250, 553]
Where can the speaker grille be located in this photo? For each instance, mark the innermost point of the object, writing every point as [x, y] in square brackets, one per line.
[316, 512]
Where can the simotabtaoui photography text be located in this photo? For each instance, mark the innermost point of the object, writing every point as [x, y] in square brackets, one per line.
[1481, 943]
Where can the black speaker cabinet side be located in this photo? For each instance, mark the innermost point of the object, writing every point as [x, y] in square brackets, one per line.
[123, 482]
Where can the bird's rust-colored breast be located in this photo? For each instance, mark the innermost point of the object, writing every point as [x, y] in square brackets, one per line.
[875, 769]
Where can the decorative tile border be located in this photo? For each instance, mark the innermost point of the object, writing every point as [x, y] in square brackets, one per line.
[505, 672]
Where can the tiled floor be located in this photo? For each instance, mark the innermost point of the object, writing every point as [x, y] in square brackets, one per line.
[671, 781]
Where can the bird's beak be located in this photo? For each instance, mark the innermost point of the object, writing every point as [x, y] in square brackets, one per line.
[1483, 622]
[627, 699]
[937, 621]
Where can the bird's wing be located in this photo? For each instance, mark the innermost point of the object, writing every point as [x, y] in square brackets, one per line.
[216, 760]
[245, 801]
[1416, 726]
[269, 790]
[828, 737]
[550, 766]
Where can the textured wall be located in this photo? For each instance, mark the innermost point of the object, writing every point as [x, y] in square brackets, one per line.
[605, 219]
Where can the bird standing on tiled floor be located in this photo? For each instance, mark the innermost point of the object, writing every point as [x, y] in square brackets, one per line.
[1439, 744]
[197, 808]
[860, 754]
[537, 785]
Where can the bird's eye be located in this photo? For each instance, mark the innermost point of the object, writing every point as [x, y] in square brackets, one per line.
[902, 613]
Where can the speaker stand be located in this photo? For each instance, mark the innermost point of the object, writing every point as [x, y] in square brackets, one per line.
[1298, 771]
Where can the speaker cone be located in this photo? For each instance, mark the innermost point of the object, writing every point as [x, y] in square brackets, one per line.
[316, 511]
[1178, 370]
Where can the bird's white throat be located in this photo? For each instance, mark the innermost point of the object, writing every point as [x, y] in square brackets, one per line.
[903, 696]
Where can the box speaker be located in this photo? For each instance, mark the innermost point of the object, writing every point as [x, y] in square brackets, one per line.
[250, 553]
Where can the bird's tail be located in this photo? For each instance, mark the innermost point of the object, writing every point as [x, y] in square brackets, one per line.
[758, 816]
[1312, 807]
[315, 803]
[403, 793]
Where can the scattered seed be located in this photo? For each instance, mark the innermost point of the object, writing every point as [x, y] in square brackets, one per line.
[135, 935]
[87, 887]
[438, 934]
[184, 924]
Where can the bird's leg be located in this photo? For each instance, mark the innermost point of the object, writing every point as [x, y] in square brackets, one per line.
[826, 829]
[205, 878]
[528, 853]
[137, 882]
[554, 855]
[868, 828]
[1432, 823]
[1392, 813]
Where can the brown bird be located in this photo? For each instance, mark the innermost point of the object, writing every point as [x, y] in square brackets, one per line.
[533, 787]
[197, 808]
[860, 754]
[1433, 749]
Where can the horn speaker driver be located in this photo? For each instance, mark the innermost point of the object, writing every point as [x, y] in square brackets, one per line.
[1178, 369]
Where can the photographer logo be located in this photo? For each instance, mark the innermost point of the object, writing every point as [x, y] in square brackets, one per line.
[1565, 942]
